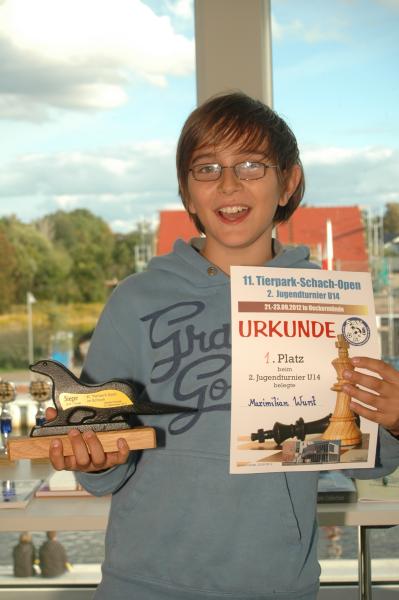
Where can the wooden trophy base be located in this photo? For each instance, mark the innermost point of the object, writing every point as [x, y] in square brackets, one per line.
[137, 438]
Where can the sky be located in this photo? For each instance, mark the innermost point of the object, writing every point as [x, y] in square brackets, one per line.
[93, 94]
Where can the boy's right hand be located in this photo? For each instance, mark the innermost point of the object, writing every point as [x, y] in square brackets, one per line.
[89, 455]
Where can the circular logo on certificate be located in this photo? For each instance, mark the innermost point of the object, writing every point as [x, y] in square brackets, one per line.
[355, 331]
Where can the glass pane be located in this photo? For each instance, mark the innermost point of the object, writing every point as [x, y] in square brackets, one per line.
[333, 65]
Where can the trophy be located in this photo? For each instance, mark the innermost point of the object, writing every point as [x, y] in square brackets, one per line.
[40, 391]
[343, 423]
[109, 409]
[7, 395]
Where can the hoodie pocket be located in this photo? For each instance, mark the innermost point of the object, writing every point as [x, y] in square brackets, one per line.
[182, 519]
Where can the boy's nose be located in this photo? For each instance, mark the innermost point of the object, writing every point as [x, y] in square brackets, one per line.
[229, 182]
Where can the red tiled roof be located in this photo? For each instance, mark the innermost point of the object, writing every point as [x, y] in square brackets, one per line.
[173, 224]
[308, 226]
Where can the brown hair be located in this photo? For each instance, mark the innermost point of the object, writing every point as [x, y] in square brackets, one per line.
[235, 118]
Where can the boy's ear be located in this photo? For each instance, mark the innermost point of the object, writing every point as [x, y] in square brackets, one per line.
[190, 205]
[291, 183]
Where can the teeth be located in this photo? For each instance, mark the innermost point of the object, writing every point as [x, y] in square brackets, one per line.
[231, 210]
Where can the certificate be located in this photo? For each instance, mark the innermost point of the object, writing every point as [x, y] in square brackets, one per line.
[294, 332]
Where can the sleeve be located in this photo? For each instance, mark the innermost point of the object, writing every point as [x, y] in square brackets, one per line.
[387, 458]
[110, 480]
[110, 356]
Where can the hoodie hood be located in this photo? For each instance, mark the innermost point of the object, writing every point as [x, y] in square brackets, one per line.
[185, 260]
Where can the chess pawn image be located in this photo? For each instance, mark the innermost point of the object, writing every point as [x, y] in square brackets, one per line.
[7, 395]
[342, 425]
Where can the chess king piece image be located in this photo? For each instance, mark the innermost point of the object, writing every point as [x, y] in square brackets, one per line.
[300, 429]
[24, 556]
[52, 557]
[343, 424]
[100, 407]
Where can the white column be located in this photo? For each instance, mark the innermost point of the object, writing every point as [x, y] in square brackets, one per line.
[233, 48]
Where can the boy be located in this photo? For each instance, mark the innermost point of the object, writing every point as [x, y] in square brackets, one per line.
[180, 526]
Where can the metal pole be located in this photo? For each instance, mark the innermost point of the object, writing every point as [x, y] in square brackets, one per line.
[29, 303]
[391, 318]
[329, 245]
[365, 586]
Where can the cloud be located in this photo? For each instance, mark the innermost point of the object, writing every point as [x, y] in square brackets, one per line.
[335, 155]
[183, 9]
[118, 170]
[70, 54]
[126, 184]
[122, 185]
[306, 32]
[392, 4]
[346, 176]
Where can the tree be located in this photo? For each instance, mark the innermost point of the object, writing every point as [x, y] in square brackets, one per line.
[36, 268]
[63, 257]
[391, 218]
[89, 243]
[123, 255]
[7, 267]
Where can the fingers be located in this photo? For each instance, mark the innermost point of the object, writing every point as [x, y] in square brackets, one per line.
[80, 450]
[379, 391]
[367, 413]
[383, 369]
[88, 453]
[387, 419]
[56, 455]
[355, 378]
[123, 451]
[364, 396]
[50, 413]
[94, 450]
[57, 458]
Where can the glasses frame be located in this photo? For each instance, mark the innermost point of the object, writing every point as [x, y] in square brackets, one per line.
[235, 169]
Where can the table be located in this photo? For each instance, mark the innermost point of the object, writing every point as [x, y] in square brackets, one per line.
[47, 514]
[91, 513]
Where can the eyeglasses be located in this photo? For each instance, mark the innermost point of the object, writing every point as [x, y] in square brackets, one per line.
[247, 170]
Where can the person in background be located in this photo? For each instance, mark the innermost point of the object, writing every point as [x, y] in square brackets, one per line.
[52, 557]
[24, 556]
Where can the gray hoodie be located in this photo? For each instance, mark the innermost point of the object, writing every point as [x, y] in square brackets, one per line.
[181, 527]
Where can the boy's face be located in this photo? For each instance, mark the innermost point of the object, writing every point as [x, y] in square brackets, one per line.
[237, 214]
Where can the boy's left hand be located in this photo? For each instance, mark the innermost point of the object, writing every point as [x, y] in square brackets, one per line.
[381, 393]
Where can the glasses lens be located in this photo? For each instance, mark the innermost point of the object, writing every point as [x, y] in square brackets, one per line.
[250, 170]
[208, 172]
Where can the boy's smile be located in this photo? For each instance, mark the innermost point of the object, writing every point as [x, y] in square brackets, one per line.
[237, 214]
[233, 214]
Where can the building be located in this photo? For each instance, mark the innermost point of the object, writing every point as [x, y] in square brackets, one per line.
[306, 226]
[173, 224]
